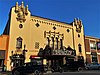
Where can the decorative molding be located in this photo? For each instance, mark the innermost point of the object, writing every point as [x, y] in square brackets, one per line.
[54, 34]
[21, 12]
[20, 26]
[68, 30]
[78, 24]
[37, 25]
[49, 23]
[54, 28]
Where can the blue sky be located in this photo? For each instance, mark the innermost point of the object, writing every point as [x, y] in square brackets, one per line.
[62, 10]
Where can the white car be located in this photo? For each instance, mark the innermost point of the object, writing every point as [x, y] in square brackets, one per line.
[93, 66]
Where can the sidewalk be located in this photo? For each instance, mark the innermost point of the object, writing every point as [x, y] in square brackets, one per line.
[6, 73]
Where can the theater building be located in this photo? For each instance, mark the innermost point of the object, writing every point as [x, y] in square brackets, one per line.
[92, 47]
[55, 41]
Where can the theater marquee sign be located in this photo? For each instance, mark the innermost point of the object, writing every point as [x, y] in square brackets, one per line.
[63, 52]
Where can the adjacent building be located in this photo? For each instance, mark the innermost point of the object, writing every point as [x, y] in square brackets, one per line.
[92, 47]
[4, 40]
[55, 41]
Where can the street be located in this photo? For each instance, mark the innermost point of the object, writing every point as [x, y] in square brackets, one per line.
[90, 72]
[76, 73]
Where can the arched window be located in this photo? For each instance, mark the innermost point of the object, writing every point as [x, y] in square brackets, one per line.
[61, 44]
[79, 47]
[48, 41]
[52, 42]
[19, 43]
[57, 43]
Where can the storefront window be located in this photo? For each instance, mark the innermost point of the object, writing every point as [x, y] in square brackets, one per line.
[1, 62]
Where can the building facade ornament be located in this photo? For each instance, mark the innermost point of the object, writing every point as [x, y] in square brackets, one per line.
[21, 12]
[51, 39]
[78, 24]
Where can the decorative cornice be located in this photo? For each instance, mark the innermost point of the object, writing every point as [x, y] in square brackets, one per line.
[90, 37]
[50, 23]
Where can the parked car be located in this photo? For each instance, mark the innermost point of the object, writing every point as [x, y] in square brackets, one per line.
[29, 68]
[93, 66]
[56, 68]
[74, 66]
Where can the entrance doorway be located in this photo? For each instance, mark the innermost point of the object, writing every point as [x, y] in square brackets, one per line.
[1, 64]
[2, 58]
[57, 62]
[54, 61]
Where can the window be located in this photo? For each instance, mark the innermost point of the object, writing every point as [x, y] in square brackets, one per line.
[61, 44]
[36, 45]
[57, 43]
[54, 39]
[92, 45]
[1, 62]
[79, 35]
[19, 43]
[48, 41]
[79, 46]
[98, 45]
[52, 43]
[94, 57]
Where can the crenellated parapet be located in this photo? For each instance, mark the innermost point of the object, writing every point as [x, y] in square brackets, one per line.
[21, 12]
[78, 24]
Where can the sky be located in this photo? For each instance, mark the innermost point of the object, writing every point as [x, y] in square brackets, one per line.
[61, 10]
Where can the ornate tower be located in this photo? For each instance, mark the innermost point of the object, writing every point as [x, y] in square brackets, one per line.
[18, 26]
[79, 38]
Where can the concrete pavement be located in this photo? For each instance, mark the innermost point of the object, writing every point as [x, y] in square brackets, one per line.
[89, 72]
[5, 73]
